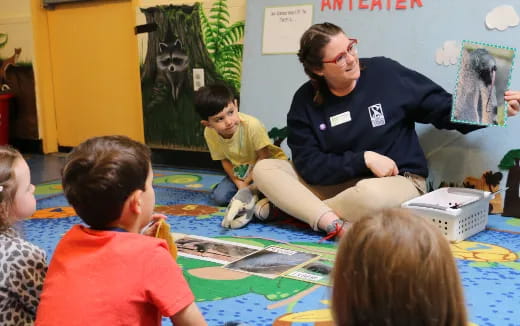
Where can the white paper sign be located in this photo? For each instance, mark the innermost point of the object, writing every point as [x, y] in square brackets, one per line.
[283, 28]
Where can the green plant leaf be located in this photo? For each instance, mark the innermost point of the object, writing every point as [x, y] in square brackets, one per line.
[233, 33]
[221, 41]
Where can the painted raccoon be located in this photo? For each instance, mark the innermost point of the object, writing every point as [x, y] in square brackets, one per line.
[172, 61]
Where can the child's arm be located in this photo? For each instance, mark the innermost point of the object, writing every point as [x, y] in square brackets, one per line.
[228, 167]
[260, 155]
[189, 316]
[513, 100]
[28, 286]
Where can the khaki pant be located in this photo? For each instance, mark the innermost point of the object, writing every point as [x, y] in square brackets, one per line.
[278, 181]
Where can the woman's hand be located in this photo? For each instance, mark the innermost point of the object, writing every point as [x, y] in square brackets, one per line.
[380, 165]
[513, 102]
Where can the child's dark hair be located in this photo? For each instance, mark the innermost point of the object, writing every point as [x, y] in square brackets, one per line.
[211, 99]
[8, 157]
[100, 174]
[395, 268]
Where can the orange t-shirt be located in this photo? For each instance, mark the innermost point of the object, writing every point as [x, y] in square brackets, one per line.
[111, 278]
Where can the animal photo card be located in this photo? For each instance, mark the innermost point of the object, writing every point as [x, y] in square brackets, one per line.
[272, 261]
[214, 250]
[317, 271]
[483, 77]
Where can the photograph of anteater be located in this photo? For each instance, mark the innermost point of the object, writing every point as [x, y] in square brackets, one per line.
[271, 262]
[483, 77]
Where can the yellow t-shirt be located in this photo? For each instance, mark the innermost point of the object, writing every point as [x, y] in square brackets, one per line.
[240, 149]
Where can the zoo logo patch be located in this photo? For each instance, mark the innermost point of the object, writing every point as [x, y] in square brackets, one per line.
[376, 115]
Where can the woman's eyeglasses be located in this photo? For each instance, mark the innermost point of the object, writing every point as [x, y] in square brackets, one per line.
[341, 59]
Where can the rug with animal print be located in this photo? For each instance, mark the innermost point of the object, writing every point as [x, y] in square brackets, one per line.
[488, 262]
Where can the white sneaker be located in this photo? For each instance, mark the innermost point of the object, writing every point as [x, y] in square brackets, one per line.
[239, 211]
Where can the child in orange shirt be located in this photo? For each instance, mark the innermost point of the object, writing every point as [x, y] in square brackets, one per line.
[108, 273]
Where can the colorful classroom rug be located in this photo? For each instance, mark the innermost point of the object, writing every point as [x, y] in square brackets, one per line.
[489, 262]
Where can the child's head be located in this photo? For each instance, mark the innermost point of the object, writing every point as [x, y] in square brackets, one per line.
[102, 173]
[17, 193]
[395, 268]
[218, 109]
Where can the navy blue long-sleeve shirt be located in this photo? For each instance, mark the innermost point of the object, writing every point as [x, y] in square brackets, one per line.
[328, 141]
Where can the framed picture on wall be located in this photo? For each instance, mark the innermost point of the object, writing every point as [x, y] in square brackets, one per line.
[483, 77]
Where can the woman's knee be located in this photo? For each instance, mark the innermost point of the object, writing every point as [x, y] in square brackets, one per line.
[265, 168]
[384, 194]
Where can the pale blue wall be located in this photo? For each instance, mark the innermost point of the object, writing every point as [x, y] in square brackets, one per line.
[409, 36]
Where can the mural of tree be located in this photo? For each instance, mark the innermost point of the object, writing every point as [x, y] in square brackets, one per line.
[512, 199]
[221, 42]
[173, 50]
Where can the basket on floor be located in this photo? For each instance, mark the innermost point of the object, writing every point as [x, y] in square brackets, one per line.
[458, 212]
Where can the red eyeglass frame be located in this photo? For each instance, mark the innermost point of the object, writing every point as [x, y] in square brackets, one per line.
[352, 42]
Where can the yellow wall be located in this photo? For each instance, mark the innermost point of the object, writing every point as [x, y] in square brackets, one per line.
[87, 71]
[43, 79]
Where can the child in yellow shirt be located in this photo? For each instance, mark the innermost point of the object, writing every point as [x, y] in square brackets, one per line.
[237, 139]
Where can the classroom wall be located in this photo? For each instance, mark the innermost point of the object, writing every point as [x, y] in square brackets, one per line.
[87, 71]
[410, 36]
[86, 57]
[186, 27]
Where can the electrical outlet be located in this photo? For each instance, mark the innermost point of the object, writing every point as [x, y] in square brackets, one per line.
[198, 78]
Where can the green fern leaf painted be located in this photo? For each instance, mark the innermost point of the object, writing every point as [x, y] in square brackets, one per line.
[222, 41]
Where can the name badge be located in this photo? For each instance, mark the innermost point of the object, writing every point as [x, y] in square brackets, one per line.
[340, 118]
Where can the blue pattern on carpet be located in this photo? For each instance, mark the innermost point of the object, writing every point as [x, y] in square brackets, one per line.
[492, 289]
[187, 179]
[505, 223]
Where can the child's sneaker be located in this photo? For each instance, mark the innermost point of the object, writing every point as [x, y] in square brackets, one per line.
[265, 211]
[335, 230]
[240, 210]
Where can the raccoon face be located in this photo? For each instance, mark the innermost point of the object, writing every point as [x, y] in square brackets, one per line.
[172, 57]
